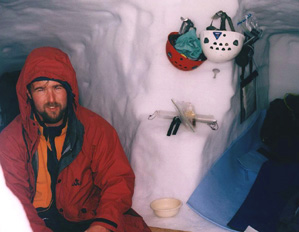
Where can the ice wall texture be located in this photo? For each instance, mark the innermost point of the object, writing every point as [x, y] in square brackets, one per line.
[118, 51]
[284, 64]
[276, 52]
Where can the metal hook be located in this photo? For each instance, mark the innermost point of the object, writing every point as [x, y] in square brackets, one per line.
[152, 116]
[214, 126]
[186, 25]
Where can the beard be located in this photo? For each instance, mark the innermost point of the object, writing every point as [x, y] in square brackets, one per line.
[52, 117]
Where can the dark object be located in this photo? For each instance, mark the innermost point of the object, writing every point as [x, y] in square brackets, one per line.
[186, 25]
[174, 126]
[248, 94]
[289, 218]
[245, 55]
[9, 106]
[224, 17]
[280, 130]
[267, 202]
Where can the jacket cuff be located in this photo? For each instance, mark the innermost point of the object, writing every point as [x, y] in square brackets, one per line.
[110, 225]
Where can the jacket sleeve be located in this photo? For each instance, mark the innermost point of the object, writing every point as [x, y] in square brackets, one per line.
[14, 162]
[115, 177]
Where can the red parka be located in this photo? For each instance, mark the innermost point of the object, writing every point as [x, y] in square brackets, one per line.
[92, 157]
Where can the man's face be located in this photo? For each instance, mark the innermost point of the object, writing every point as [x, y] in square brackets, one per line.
[50, 101]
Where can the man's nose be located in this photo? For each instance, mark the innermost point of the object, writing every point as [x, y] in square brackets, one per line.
[51, 96]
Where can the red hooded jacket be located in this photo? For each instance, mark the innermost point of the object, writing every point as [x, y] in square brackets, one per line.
[92, 156]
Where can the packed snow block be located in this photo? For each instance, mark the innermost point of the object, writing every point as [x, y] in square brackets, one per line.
[224, 188]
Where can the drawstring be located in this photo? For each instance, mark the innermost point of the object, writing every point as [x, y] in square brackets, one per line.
[176, 122]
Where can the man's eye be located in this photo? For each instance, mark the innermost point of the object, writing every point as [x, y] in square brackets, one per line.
[39, 89]
[58, 87]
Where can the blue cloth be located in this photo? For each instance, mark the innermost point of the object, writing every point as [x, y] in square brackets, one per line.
[189, 45]
[267, 198]
[225, 187]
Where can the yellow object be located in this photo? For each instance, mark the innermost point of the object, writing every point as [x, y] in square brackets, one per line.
[43, 195]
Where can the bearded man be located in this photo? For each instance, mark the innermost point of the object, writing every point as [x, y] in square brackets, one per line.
[64, 162]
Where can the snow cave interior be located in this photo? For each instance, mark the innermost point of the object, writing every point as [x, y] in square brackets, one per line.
[118, 51]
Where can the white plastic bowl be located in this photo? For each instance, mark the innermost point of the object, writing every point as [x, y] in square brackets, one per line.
[166, 207]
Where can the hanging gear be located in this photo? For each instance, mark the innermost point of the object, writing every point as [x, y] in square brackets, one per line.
[248, 98]
[245, 59]
[185, 114]
[178, 59]
[252, 33]
[174, 126]
[220, 45]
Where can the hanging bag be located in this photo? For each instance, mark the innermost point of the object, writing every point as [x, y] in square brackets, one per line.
[220, 45]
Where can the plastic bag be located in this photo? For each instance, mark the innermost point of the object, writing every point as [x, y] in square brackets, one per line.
[186, 113]
[189, 45]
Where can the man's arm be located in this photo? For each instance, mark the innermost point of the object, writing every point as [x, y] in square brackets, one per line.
[14, 163]
[114, 176]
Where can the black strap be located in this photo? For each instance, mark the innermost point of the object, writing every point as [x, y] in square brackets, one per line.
[52, 164]
[250, 64]
[223, 17]
[176, 122]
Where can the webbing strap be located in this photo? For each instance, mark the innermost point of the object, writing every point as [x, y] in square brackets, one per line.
[174, 126]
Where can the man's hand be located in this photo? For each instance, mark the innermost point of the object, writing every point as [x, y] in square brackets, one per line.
[97, 228]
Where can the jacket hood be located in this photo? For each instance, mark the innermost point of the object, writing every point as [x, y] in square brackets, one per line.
[45, 62]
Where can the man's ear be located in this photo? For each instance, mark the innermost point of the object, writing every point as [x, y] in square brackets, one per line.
[28, 94]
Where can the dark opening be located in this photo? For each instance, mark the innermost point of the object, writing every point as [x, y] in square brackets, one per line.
[9, 107]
